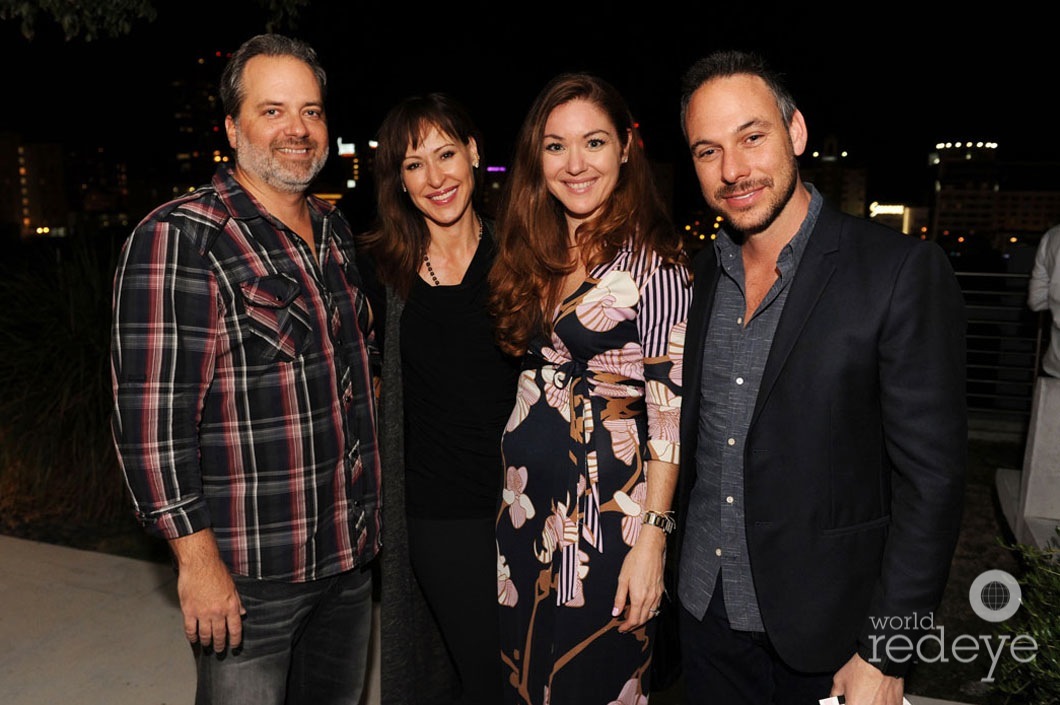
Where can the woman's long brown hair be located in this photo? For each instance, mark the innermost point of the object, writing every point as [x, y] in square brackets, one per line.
[534, 250]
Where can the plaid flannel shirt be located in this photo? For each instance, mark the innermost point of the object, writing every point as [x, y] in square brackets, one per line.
[243, 383]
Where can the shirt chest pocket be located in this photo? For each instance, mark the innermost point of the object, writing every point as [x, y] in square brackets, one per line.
[277, 320]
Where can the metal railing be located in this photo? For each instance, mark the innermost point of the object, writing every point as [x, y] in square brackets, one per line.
[1005, 344]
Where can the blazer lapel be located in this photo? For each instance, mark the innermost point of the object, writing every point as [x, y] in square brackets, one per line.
[815, 270]
[704, 285]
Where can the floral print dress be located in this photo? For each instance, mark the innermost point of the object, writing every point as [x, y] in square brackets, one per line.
[594, 403]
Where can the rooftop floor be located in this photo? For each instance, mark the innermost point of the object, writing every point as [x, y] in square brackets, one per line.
[94, 628]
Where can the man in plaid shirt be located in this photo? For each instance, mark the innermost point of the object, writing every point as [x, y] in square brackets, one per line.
[244, 417]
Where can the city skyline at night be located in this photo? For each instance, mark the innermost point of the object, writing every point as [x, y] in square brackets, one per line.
[886, 91]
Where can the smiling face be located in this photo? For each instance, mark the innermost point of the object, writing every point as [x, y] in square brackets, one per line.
[743, 153]
[439, 176]
[281, 134]
[581, 158]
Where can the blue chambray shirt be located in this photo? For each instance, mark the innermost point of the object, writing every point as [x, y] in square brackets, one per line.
[734, 359]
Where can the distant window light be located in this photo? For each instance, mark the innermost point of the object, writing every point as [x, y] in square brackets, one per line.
[966, 145]
[346, 149]
[492, 169]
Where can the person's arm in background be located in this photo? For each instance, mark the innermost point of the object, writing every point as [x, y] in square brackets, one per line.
[1038, 286]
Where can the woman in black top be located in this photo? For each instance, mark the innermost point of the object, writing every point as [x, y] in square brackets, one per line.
[446, 394]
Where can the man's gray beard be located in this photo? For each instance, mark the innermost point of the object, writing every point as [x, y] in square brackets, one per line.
[262, 164]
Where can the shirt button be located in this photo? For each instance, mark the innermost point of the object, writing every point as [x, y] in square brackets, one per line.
[732, 441]
[740, 320]
[739, 380]
[730, 500]
[717, 551]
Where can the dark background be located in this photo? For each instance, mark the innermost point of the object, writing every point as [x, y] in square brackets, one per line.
[889, 80]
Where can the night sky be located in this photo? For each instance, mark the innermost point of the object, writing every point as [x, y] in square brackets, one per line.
[888, 84]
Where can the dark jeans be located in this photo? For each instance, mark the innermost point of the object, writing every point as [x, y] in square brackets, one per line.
[725, 666]
[303, 644]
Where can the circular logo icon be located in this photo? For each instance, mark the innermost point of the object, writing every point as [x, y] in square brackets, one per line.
[995, 595]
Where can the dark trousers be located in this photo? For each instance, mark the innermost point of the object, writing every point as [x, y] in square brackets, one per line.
[725, 666]
[303, 644]
[455, 561]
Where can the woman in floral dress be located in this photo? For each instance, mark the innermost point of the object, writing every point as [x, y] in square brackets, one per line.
[591, 283]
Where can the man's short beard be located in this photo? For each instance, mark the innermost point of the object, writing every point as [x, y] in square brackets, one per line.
[775, 207]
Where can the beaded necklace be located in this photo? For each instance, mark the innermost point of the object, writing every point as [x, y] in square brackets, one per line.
[427, 258]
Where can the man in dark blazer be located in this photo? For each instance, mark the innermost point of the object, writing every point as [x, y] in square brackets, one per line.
[824, 426]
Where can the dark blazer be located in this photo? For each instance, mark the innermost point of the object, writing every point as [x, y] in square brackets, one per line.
[855, 457]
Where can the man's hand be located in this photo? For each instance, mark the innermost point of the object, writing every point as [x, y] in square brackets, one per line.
[208, 597]
[861, 683]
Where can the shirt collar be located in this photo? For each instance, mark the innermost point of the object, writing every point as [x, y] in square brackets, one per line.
[788, 259]
[242, 206]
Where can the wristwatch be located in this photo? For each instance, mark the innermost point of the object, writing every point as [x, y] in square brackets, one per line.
[664, 520]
